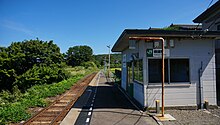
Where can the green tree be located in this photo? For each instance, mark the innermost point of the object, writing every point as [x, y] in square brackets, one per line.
[24, 55]
[20, 57]
[79, 54]
[39, 75]
[115, 59]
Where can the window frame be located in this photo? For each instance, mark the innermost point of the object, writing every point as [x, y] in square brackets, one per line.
[218, 27]
[142, 72]
[168, 67]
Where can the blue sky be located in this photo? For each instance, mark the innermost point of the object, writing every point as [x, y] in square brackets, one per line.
[95, 23]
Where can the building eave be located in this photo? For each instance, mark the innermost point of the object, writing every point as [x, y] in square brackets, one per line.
[122, 41]
[210, 11]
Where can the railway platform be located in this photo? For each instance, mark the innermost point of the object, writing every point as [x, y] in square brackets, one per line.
[102, 103]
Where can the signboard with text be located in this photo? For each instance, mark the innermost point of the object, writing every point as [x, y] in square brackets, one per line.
[157, 52]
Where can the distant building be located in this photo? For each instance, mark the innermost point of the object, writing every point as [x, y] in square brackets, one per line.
[190, 75]
[210, 20]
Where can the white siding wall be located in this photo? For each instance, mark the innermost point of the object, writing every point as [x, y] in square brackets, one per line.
[209, 82]
[138, 88]
[198, 51]
[139, 93]
[128, 54]
[176, 94]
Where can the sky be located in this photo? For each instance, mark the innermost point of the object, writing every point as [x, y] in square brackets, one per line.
[96, 23]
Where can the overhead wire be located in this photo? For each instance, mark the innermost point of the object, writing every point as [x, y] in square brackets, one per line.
[213, 22]
[206, 9]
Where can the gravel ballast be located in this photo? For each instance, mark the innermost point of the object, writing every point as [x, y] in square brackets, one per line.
[194, 117]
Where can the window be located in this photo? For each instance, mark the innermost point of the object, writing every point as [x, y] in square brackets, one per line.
[155, 73]
[138, 70]
[179, 70]
[176, 70]
[218, 27]
[129, 66]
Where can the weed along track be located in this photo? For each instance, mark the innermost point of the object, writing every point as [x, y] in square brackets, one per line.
[55, 113]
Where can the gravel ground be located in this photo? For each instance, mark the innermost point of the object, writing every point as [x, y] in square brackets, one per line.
[194, 117]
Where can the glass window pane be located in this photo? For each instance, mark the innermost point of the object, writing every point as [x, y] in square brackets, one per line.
[138, 70]
[155, 70]
[179, 70]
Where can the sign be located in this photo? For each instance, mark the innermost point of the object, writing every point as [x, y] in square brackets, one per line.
[157, 52]
[124, 61]
[149, 52]
[124, 58]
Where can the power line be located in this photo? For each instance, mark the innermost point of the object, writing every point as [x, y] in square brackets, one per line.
[206, 9]
[210, 4]
[212, 23]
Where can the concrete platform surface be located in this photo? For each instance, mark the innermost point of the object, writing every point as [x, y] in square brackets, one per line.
[104, 104]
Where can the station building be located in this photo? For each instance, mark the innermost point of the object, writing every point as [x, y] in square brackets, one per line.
[190, 64]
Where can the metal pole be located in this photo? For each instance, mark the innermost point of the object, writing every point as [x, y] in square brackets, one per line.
[109, 61]
[163, 67]
[162, 77]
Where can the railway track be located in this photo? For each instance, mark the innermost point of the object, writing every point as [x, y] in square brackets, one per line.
[55, 113]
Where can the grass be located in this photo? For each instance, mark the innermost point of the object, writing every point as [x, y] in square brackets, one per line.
[14, 106]
[113, 69]
[34, 97]
[76, 70]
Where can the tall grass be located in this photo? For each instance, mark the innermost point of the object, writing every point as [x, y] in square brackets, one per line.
[33, 97]
[14, 105]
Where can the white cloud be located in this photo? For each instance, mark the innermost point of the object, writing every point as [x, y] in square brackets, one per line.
[17, 27]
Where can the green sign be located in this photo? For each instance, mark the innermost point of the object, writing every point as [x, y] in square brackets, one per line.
[149, 52]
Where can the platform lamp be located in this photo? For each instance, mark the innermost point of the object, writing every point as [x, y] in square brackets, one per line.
[163, 69]
[109, 56]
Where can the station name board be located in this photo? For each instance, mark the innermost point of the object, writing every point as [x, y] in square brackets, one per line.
[157, 52]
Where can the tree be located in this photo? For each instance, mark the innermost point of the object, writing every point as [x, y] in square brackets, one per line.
[24, 55]
[79, 54]
[20, 57]
[115, 59]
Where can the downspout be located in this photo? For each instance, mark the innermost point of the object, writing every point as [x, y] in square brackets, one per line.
[201, 98]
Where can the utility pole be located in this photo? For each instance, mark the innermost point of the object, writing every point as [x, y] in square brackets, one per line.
[109, 46]
[105, 66]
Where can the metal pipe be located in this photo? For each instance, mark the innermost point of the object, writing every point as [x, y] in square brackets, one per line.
[200, 87]
[162, 77]
[163, 69]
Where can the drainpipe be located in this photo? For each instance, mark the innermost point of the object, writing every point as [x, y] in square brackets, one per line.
[201, 98]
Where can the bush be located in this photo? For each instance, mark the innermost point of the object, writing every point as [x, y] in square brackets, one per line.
[10, 97]
[39, 75]
[89, 64]
[20, 57]
[35, 96]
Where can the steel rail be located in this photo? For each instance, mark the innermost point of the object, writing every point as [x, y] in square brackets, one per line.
[55, 112]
